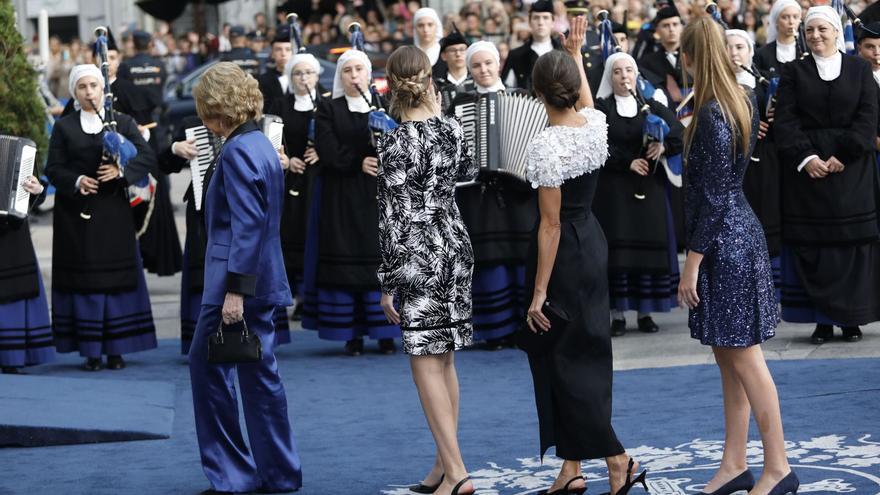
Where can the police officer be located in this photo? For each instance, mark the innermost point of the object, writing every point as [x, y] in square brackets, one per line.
[274, 82]
[591, 51]
[145, 71]
[240, 54]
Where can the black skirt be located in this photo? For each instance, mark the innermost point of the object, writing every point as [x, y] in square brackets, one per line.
[761, 185]
[573, 381]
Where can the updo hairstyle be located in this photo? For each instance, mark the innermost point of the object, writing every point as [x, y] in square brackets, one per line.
[556, 79]
[408, 71]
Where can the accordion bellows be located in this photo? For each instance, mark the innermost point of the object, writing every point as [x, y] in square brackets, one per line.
[560, 153]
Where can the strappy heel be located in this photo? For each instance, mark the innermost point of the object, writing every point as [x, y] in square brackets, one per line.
[461, 484]
[630, 481]
[423, 488]
[565, 490]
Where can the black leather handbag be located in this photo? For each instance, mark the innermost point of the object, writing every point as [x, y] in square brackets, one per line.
[541, 342]
[234, 347]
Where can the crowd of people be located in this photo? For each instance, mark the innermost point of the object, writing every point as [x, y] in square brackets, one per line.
[408, 226]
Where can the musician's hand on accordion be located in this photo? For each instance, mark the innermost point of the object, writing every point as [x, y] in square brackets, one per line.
[655, 151]
[370, 165]
[283, 158]
[640, 166]
[185, 149]
[108, 172]
[310, 156]
[32, 185]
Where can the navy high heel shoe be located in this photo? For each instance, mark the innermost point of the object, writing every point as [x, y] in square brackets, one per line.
[787, 486]
[744, 482]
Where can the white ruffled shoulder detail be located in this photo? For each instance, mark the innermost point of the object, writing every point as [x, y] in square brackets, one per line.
[559, 153]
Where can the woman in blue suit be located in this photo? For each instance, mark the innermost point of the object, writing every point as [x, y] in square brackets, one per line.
[244, 280]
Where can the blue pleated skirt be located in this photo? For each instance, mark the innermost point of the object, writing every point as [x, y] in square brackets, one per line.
[97, 324]
[797, 307]
[26, 331]
[500, 300]
[648, 293]
[308, 290]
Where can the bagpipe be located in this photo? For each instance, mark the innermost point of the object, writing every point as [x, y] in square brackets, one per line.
[654, 129]
[378, 120]
[299, 181]
[770, 87]
[117, 150]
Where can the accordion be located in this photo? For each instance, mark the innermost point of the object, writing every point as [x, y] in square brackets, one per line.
[16, 164]
[209, 146]
[499, 127]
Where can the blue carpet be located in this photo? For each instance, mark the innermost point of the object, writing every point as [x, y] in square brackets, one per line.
[38, 410]
[360, 428]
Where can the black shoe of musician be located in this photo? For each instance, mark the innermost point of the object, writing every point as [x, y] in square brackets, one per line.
[647, 325]
[386, 346]
[115, 363]
[297, 312]
[354, 347]
[822, 334]
[494, 344]
[852, 334]
[618, 328]
[11, 370]
[93, 364]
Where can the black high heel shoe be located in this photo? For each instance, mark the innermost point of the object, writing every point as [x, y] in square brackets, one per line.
[787, 486]
[565, 490]
[630, 481]
[461, 484]
[423, 488]
[745, 481]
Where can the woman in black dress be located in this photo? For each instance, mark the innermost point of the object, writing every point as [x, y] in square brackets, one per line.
[25, 329]
[100, 303]
[828, 114]
[567, 269]
[297, 109]
[632, 200]
[345, 303]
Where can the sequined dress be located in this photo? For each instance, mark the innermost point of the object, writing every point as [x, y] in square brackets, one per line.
[735, 285]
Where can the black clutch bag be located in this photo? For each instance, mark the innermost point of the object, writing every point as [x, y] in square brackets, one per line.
[234, 347]
[541, 342]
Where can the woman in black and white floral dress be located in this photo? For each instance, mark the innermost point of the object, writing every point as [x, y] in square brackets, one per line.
[427, 260]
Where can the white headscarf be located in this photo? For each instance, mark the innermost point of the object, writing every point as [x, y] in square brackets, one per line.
[744, 35]
[427, 12]
[300, 58]
[338, 88]
[481, 46]
[775, 11]
[77, 73]
[605, 87]
[830, 16]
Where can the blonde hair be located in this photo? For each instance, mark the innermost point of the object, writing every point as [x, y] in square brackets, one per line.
[714, 78]
[409, 78]
[228, 94]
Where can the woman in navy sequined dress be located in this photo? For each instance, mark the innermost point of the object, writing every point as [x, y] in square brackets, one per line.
[727, 282]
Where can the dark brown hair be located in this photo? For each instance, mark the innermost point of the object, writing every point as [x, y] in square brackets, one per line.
[556, 78]
[409, 77]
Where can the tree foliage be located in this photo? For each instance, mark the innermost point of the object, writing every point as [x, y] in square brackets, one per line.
[22, 112]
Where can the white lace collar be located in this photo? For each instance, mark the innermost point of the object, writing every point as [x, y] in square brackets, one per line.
[357, 104]
[828, 67]
[626, 106]
[559, 153]
[303, 103]
[498, 86]
[785, 53]
[745, 79]
[90, 122]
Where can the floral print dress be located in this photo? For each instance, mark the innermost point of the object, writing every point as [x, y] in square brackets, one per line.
[427, 260]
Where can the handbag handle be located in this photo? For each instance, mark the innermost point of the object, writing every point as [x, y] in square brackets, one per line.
[244, 331]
